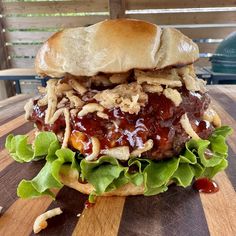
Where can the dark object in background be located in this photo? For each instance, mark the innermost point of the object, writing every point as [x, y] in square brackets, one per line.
[224, 59]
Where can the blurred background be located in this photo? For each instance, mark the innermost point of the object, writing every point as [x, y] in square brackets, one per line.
[25, 25]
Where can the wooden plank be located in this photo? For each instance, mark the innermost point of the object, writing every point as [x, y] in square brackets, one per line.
[11, 110]
[13, 99]
[23, 213]
[104, 217]
[6, 87]
[117, 9]
[27, 36]
[221, 219]
[11, 125]
[18, 72]
[51, 21]
[22, 62]
[207, 33]
[23, 50]
[163, 4]
[45, 7]
[188, 18]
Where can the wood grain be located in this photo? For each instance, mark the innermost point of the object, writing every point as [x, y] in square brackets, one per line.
[188, 18]
[22, 63]
[5, 159]
[72, 203]
[207, 32]
[19, 72]
[106, 213]
[51, 21]
[163, 4]
[117, 9]
[46, 7]
[22, 129]
[13, 99]
[220, 208]
[18, 217]
[11, 110]
[23, 50]
[11, 125]
[27, 37]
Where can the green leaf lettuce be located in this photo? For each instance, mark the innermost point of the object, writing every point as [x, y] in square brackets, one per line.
[199, 158]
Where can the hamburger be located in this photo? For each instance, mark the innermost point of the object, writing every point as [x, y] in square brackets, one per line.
[123, 113]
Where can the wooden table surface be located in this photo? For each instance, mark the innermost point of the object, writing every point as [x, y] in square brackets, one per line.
[177, 212]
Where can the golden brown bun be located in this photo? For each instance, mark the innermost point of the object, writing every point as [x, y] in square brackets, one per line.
[70, 178]
[113, 46]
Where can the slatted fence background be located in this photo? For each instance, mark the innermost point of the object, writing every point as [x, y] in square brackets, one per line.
[26, 24]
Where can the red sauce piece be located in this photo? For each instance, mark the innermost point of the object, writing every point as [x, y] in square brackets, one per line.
[205, 185]
[88, 204]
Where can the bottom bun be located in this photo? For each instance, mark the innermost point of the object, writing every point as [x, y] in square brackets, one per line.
[69, 178]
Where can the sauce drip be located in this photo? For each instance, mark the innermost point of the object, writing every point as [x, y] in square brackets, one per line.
[88, 204]
[205, 185]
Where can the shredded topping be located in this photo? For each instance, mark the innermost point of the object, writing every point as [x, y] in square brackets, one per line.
[75, 100]
[188, 127]
[61, 88]
[95, 149]
[62, 102]
[156, 88]
[52, 100]
[120, 153]
[128, 97]
[194, 84]
[119, 78]
[173, 95]
[77, 86]
[147, 146]
[41, 221]
[211, 116]
[102, 115]
[28, 108]
[155, 80]
[90, 108]
[42, 90]
[56, 115]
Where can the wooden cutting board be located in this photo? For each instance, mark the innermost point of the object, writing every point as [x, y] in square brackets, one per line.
[177, 212]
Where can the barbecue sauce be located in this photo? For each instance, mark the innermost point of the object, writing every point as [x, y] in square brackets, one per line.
[88, 204]
[205, 185]
[158, 120]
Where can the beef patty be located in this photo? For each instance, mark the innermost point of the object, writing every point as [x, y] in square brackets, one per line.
[158, 120]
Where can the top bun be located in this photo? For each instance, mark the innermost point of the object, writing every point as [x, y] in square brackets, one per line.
[114, 46]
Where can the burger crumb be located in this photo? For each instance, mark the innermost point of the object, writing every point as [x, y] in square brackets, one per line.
[41, 221]
[78, 215]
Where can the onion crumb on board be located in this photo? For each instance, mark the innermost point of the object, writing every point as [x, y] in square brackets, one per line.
[41, 221]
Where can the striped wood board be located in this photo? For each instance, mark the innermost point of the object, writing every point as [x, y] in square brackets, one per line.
[176, 212]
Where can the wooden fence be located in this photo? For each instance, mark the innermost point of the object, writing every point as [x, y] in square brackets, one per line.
[26, 24]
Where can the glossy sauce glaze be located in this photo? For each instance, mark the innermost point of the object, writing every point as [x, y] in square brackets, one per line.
[205, 185]
[158, 120]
